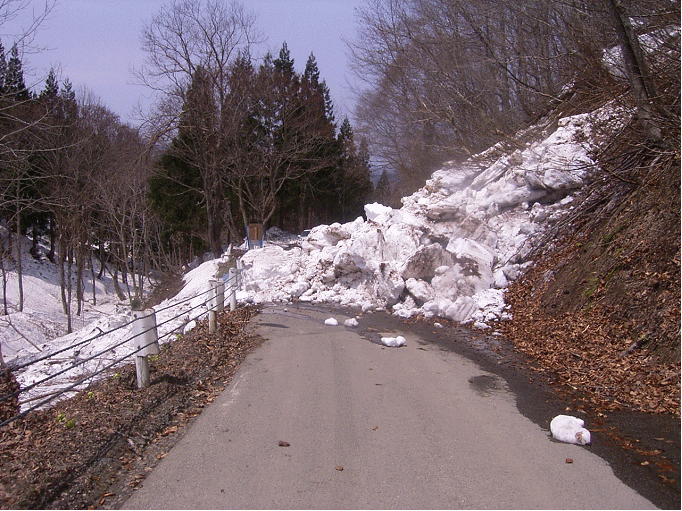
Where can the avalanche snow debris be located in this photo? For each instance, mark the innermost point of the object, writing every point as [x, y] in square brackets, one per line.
[393, 342]
[569, 429]
[452, 248]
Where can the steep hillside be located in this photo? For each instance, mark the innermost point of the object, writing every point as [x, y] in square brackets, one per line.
[600, 308]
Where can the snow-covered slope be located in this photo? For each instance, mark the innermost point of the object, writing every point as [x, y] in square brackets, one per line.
[453, 246]
[101, 332]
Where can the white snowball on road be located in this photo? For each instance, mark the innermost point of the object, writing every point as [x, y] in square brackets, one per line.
[566, 428]
[393, 342]
[331, 322]
[352, 322]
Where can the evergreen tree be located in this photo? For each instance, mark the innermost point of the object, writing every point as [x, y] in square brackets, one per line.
[355, 186]
[174, 195]
[3, 69]
[284, 64]
[312, 73]
[69, 106]
[14, 77]
[312, 76]
[198, 140]
[382, 192]
[51, 90]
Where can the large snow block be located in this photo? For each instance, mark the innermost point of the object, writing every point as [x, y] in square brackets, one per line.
[462, 309]
[270, 265]
[376, 212]
[420, 290]
[400, 242]
[327, 236]
[423, 263]
[463, 248]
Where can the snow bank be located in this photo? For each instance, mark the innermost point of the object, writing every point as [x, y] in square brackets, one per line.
[101, 333]
[453, 246]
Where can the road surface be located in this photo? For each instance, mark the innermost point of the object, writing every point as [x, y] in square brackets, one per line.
[320, 417]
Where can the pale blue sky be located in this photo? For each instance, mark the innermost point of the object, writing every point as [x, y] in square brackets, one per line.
[96, 42]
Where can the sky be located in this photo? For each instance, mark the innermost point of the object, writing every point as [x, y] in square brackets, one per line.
[96, 43]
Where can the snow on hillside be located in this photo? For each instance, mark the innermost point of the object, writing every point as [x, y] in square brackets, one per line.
[451, 249]
[40, 329]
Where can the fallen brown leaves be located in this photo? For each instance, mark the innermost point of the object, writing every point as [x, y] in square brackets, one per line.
[46, 463]
[587, 353]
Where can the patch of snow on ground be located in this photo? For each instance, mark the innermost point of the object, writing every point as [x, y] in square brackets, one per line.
[102, 331]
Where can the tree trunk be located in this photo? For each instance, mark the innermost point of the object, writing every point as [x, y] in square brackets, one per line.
[4, 277]
[69, 288]
[117, 287]
[102, 259]
[92, 276]
[20, 270]
[641, 83]
[50, 256]
[80, 270]
[214, 229]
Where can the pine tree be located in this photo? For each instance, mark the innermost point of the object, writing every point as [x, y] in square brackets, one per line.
[355, 186]
[284, 63]
[68, 102]
[382, 192]
[51, 89]
[14, 77]
[312, 73]
[3, 69]
[174, 195]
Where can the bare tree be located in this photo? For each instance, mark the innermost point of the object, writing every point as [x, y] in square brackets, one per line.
[17, 117]
[20, 19]
[447, 78]
[125, 218]
[195, 41]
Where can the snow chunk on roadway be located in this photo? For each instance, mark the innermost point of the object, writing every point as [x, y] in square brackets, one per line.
[351, 322]
[393, 342]
[566, 428]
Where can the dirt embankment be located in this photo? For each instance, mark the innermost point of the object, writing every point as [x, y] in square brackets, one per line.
[601, 306]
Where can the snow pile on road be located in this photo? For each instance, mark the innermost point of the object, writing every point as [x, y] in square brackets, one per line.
[453, 246]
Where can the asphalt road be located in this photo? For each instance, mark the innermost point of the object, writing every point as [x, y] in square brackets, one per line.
[364, 426]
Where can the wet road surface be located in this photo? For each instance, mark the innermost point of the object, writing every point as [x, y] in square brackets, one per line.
[326, 417]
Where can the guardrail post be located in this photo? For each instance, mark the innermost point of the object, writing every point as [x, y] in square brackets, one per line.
[146, 343]
[220, 294]
[232, 288]
[212, 306]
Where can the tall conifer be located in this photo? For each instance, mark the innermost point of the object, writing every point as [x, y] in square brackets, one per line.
[14, 77]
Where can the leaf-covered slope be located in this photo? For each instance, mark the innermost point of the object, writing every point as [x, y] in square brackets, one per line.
[601, 306]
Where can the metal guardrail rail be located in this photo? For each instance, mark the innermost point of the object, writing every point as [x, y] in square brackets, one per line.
[145, 336]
